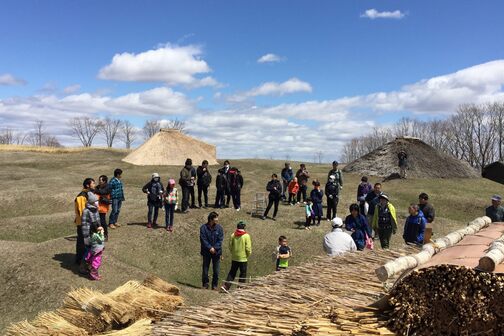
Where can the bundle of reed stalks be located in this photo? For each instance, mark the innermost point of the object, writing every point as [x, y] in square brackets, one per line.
[88, 321]
[23, 328]
[141, 327]
[160, 285]
[101, 305]
[53, 324]
[146, 302]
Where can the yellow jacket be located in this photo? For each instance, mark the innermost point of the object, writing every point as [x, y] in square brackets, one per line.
[80, 205]
[392, 214]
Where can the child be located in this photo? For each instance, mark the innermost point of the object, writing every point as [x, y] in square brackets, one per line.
[94, 257]
[309, 213]
[90, 218]
[293, 190]
[170, 203]
[317, 196]
[283, 253]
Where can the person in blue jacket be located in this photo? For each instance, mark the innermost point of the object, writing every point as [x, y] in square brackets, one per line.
[211, 237]
[414, 227]
[317, 196]
[358, 225]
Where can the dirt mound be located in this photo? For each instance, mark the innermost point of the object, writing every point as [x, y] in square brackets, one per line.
[171, 148]
[423, 161]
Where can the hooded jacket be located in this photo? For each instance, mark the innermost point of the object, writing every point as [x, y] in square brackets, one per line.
[240, 246]
[393, 217]
[414, 228]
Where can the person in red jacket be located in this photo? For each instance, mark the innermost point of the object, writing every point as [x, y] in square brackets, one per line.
[293, 190]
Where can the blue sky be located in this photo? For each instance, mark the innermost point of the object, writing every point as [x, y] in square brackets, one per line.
[339, 72]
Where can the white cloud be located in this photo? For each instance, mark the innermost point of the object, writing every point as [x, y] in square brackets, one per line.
[72, 89]
[270, 58]
[374, 14]
[171, 64]
[10, 80]
[290, 86]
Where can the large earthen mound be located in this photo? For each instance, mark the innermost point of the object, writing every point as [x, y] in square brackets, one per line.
[171, 148]
[423, 161]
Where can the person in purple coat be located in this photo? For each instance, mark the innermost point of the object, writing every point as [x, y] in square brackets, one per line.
[357, 224]
[363, 189]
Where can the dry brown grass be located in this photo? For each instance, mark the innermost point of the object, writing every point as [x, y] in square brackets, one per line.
[54, 150]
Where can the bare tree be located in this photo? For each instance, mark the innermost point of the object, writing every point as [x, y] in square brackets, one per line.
[37, 137]
[319, 155]
[110, 128]
[85, 129]
[150, 128]
[128, 133]
[7, 137]
[51, 141]
[176, 124]
[497, 112]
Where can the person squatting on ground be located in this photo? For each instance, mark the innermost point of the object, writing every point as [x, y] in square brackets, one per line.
[170, 203]
[154, 190]
[103, 192]
[332, 193]
[240, 246]
[94, 256]
[221, 184]
[302, 176]
[293, 190]
[90, 218]
[317, 196]
[235, 179]
[337, 242]
[282, 254]
[426, 208]
[384, 221]
[203, 182]
[363, 189]
[117, 196]
[495, 211]
[358, 225]
[80, 203]
[187, 179]
[414, 227]
[287, 175]
[227, 192]
[309, 213]
[403, 163]
[211, 238]
[275, 189]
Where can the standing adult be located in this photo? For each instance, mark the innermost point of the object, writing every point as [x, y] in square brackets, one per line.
[402, 156]
[187, 178]
[240, 246]
[385, 221]
[332, 193]
[338, 175]
[414, 227]
[235, 180]
[103, 192]
[204, 180]
[79, 205]
[287, 176]
[426, 208]
[363, 190]
[117, 196]
[372, 199]
[358, 225]
[227, 192]
[275, 188]
[221, 183]
[495, 211]
[211, 237]
[338, 242]
[154, 190]
[302, 175]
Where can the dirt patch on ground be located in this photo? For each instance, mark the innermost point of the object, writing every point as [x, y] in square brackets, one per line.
[423, 161]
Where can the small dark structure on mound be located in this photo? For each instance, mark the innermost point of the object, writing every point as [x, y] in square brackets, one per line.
[494, 171]
[423, 161]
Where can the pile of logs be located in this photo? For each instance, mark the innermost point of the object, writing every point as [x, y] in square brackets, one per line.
[448, 300]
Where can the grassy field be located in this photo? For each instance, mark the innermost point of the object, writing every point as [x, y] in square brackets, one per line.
[36, 212]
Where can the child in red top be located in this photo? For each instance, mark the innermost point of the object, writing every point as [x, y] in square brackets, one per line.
[293, 190]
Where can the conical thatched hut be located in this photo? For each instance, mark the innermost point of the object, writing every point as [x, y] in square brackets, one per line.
[494, 171]
[423, 161]
[171, 147]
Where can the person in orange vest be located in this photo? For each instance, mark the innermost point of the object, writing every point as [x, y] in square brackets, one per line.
[103, 193]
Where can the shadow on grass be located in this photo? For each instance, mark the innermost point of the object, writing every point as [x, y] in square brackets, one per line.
[188, 284]
[67, 261]
[144, 224]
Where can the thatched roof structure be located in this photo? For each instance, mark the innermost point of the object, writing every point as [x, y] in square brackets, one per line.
[423, 161]
[494, 171]
[171, 147]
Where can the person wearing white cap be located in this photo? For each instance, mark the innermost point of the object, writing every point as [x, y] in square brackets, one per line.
[338, 242]
[496, 211]
[154, 190]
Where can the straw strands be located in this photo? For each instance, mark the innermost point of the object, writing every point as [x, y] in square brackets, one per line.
[160, 285]
[86, 320]
[140, 328]
[279, 303]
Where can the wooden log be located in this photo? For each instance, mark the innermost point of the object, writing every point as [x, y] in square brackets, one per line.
[493, 257]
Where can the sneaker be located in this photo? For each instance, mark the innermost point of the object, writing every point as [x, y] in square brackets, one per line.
[224, 289]
[117, 224]
[263, 217]
[149, 225]
[205, 286]
[185, 211]
[274, 219]
[112, 226]
[238, 209]
[215, 288]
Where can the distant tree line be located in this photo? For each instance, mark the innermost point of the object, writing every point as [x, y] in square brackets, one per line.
[473, 134]
[38, 136]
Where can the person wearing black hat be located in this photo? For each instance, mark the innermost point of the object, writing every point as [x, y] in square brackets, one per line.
[275, 190]
[496, 211]
[240, 246]
[338, 176]
[426, 208]
[384, 220]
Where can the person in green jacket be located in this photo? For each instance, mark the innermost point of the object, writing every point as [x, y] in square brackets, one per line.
[385, 220]
[240, 246]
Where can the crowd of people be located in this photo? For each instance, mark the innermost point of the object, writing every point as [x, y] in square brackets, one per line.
[372, 216]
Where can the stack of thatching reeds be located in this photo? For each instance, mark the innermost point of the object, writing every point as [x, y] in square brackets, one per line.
[279, 303]
[128, 310]
[448, 300]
